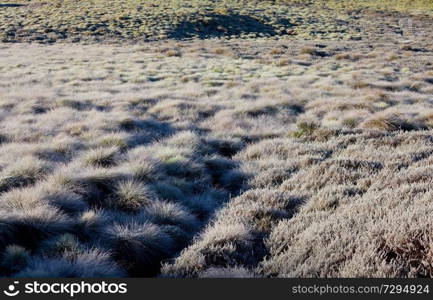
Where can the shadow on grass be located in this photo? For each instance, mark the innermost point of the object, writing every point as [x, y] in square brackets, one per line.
[215, 25]
[11, 5]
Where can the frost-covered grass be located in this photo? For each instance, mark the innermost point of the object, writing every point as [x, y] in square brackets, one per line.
[251, 157]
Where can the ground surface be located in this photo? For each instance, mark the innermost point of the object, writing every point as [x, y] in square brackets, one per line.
[300, 150]
[136, 20]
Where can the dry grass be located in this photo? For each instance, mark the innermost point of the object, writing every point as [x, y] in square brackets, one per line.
[132, 20]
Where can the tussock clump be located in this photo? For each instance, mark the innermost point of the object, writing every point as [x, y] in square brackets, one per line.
[91, 263]
[91, 223]
[180, 236]
[391, 122]
[101, 157]
[226, 147]
[166, 190]
[14, 259]
[218, 166]
[167, 213]
[182, 167]
[58, 245]
[23, 199]
[176, 110]
[139, 247]
[186, 140]
[272, 177]
[234, 180]
[271, 172]
[305, 128]
[131, 196]
[313, 51]
[78, 105]
[330, 197]
[204, 205]
[141, 165]
[25, 172]
[269, 107]
[349, 56]
[69, 202]
[172, 52]
[28, 227]
[219, 246]
[95, 184]
[128, 124]
[117, 140]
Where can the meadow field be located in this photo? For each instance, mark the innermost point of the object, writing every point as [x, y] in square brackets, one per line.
[232, 138]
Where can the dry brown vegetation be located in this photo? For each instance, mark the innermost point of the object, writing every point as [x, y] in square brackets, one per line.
[219, 158]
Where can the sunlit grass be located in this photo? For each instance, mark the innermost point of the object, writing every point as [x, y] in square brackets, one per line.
[411, 6]
[50, 21]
